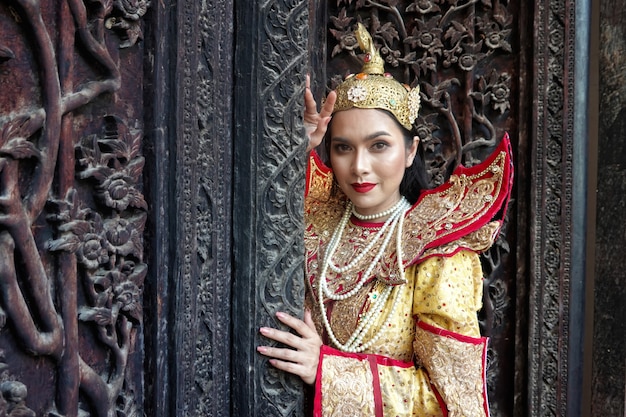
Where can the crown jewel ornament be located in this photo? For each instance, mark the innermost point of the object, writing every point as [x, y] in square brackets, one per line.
[373, 88]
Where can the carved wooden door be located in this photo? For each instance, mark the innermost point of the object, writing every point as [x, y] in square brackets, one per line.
[484, 68]
[72, 208]
[151, 177]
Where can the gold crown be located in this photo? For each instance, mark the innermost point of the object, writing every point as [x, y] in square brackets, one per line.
[373, 88]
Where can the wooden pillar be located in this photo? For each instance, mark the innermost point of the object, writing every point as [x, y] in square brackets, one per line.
[269, 164]
[608, 374]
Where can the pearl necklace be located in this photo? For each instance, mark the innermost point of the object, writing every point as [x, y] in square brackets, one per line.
[392, 221]
[385, 213]
[355, 342]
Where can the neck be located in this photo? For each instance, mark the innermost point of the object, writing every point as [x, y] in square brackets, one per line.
[381, 215]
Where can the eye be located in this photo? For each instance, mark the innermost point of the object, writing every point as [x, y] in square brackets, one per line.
[341, 148]
[380, 145]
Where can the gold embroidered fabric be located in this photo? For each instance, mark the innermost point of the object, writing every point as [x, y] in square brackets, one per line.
[348, 389]
[456, 368]
[442, 234]
[441, 291]
[453, 215]
[347, 386]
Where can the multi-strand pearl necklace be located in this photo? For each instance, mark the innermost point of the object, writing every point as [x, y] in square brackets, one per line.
[385, 213]
[355, 342]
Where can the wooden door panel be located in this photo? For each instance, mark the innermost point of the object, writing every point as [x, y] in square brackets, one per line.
[72, 208]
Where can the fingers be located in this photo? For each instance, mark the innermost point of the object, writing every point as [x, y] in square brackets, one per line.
[283, 337]
[308, 319]
[329, 105]
[302, 355]
[310, 105]
[305, 370]
[298, 325]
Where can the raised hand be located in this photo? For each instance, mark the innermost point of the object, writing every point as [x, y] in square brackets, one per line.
[316, 123]
[303, 357]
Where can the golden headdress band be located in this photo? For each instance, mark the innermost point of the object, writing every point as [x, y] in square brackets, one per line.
[372, 88]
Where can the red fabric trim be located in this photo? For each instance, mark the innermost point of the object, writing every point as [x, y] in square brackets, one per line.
[442, 403]
[485, 398]
[378, 396]
[380, 360]
[421, 259]
[317, 397]
[453, 335]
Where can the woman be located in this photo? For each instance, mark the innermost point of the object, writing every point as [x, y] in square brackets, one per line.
[393, 284]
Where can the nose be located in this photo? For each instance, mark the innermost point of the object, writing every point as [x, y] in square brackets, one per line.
[360, 163]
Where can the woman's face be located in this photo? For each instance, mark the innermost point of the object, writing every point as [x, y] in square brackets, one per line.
[369, 155]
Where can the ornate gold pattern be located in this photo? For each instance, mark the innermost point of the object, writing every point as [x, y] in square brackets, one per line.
[372, 88]
[345, 314]
[347, 387]
[437, 215]
[464, 203]
[456, 369]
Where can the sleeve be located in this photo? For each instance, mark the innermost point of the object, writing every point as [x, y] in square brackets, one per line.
[368, 385]
[448, 295]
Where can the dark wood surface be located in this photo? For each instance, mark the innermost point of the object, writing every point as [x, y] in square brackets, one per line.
[609, 323]
[72, 209]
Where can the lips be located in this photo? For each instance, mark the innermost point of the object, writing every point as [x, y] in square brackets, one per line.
[363, 187]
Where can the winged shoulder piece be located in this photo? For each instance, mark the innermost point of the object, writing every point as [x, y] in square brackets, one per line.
[466, 212]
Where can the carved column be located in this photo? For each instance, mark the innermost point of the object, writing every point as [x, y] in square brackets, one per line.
[269, 163]
[191, 119]
[557, 208]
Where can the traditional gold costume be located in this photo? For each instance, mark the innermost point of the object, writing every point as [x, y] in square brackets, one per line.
[428, 358]
[399, 321]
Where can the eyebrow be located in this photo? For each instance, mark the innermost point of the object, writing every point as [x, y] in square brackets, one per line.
[368, 137]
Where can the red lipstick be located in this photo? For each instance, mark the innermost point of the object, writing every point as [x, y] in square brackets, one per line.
[362, 187]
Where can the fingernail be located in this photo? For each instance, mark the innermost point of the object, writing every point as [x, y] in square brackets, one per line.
[280, 315]
[264, 330]
[261, 349]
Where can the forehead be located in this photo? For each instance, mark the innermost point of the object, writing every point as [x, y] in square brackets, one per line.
[363, 121]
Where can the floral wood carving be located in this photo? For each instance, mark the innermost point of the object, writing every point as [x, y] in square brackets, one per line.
[451, 49]
[108, 250]
[71, 288]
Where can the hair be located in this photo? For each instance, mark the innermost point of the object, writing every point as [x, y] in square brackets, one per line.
[415, 178]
